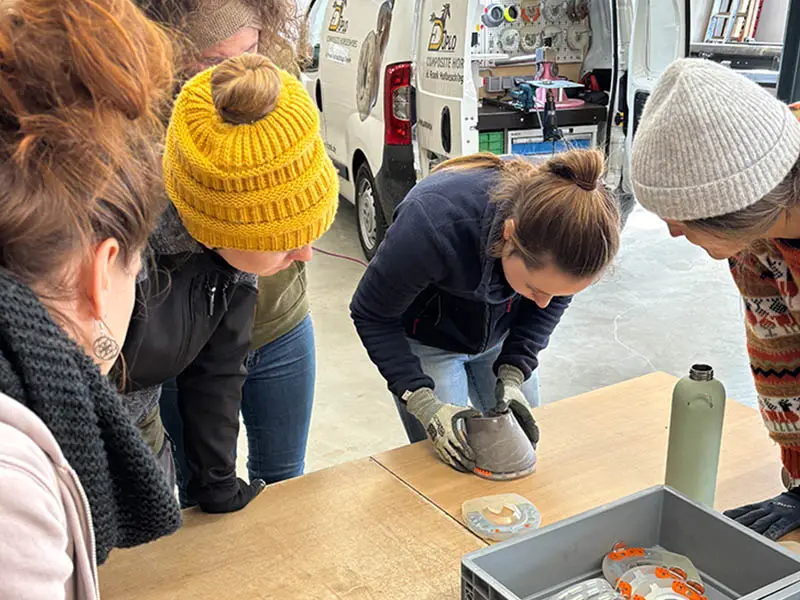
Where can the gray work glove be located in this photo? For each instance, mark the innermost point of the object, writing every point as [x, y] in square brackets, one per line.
[441, 423]
[508, 392]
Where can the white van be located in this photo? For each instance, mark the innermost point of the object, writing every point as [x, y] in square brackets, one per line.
[403, 84]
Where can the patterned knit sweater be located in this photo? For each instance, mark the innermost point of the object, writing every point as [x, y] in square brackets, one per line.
[768, 276]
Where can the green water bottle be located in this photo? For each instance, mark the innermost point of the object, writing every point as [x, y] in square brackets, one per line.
[695, 435]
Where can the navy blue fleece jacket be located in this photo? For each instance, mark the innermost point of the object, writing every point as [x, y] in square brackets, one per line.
[434, 280]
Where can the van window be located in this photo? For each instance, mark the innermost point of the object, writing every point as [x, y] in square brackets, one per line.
[315, 19]
[662, 26]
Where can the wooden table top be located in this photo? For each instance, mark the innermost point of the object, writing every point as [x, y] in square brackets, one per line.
[372, 530]
[601, 446]
[351, 532]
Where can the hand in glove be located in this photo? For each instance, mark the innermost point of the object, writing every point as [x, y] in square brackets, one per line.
[772, 518]
[441, 423]
[508, 392]
[245, 493]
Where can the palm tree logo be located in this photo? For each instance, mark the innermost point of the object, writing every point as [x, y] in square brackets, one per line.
[439, 29]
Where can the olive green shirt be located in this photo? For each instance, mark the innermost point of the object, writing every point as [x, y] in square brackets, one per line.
[282, 304]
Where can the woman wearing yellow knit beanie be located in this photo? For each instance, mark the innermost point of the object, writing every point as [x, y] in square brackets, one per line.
[251, 188]
[245, 165]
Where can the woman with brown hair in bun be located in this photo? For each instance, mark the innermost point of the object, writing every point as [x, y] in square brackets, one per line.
[81, 98]
[477, 268]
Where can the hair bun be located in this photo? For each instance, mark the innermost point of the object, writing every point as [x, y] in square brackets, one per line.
[245, 89]
[584, 168]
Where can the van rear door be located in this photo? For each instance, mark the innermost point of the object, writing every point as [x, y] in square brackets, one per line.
[660, 35]
[447, 96]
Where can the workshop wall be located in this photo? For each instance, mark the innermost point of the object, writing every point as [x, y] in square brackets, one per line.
[772, 25]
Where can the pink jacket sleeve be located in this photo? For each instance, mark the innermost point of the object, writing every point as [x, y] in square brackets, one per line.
[35, 546]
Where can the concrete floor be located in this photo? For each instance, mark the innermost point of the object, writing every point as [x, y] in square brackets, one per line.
[664, 306]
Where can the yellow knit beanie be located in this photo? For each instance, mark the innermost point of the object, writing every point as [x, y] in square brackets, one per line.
[245, 164]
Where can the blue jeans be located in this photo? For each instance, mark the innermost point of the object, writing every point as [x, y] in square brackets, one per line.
[276, 408]
[460, 379]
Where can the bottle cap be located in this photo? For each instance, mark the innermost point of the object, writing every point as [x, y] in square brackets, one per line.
[701, 373]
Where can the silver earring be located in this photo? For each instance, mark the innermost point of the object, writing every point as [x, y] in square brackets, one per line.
[104, 347]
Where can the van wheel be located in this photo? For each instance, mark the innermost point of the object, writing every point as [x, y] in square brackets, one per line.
[369, 215]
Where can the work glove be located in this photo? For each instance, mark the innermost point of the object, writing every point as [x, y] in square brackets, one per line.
[441, 422]
[508, 393]
[245, 493]
[772, 518]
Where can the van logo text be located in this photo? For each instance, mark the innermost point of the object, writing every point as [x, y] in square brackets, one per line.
[338, 22]
[440, 40]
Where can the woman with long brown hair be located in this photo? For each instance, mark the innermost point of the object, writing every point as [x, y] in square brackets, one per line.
[81, 98]
[476, 270]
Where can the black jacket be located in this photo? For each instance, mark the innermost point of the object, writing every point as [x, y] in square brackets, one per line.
[434, 280]
[193, 320]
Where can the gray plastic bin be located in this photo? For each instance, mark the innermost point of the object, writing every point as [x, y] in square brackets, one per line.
[734, 561]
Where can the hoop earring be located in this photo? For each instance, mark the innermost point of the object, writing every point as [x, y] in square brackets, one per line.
[104, 347]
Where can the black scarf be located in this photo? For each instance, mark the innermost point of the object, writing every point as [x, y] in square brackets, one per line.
[41, 367]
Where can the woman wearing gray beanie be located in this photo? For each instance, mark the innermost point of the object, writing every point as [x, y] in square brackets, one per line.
[716, 157]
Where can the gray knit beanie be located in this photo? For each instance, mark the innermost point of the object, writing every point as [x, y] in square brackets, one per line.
[710, 142]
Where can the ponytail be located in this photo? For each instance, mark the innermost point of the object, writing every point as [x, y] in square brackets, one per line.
[563, 214]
